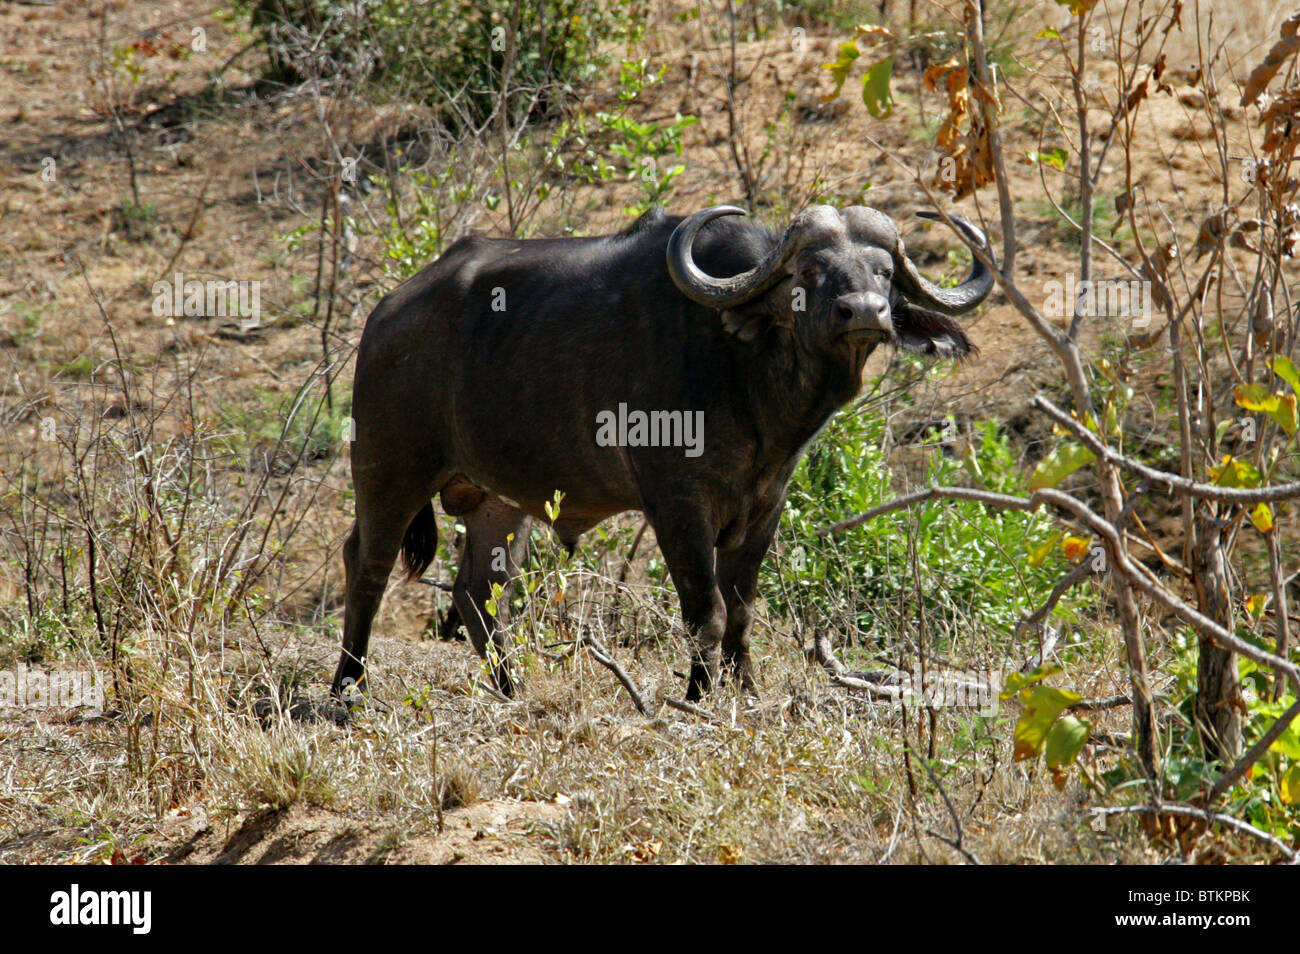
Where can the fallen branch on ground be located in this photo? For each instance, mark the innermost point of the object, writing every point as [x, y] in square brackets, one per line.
[1207, 816]
[602, 656]
[683, 706]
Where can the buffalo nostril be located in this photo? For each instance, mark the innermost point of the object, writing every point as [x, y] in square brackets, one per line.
[844, 311]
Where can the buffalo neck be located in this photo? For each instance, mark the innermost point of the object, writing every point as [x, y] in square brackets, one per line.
[793, 391]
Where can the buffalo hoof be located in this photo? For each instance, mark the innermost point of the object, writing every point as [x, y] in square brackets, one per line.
[702, 680]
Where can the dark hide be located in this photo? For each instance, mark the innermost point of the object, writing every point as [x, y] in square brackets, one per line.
[481, 378]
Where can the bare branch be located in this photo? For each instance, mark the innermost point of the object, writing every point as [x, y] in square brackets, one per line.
[1241, 495]
[1255, 752]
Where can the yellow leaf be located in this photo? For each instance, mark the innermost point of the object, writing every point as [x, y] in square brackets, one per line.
[1262, 517]
[1255, 605]
[1039, 554]
[872, 30]
[1289, 785]
[1059, 464]
[1076, 548]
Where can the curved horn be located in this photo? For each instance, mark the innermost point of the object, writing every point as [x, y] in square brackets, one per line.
[729, 292]
[915, 286]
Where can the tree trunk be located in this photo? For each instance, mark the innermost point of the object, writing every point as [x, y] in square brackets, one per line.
[1218, 692]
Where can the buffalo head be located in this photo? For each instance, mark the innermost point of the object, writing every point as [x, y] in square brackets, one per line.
[840, 280]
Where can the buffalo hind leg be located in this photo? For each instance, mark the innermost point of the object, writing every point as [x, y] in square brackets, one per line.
[686, 538]
[491, 555]
[368, 556]
[738, 580]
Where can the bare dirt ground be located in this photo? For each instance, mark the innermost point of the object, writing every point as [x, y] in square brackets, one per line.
[225, 168]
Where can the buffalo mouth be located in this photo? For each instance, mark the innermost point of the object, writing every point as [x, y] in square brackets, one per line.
[867, 331]
[865, 335]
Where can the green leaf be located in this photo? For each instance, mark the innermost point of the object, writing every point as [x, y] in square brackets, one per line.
[1065, 741]
[840, 68]
[1056, 158]
[1288, 743]
[1285, 369]
[1059, 464]
[875, 89]
[1042, 705]
[1049, 33]
[1232, 472]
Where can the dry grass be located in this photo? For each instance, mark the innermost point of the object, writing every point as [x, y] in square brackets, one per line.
[809, 773]
[209, 751]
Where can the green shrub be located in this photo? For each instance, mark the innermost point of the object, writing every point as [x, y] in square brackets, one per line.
[972, 560]
[449, 54]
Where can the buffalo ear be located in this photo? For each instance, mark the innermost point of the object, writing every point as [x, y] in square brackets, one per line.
[922, 331]
[770, 310]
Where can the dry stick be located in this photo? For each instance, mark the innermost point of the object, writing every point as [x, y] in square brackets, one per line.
[1067, 582]
[822, 652]
[1239, 495]
[189, 228]
[1190, 811]
[1282, 632]
[872, 683]
[1253, 754]
[1096, 705]
[602, 656]
[683, 706]
[631, 553]
[954, 843]
[1074, 576]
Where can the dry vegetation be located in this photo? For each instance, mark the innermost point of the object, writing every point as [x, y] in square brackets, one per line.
[175, 490]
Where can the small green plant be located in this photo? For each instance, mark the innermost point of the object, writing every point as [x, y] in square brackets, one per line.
[1044, 727]
[311, 428]
[645, 144]
[136, 218]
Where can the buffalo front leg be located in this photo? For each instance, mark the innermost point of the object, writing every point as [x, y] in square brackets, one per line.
[738, 570]
[496, 541]
[737, 579]
[686, 539]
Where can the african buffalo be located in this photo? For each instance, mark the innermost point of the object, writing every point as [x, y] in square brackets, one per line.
[509, 369]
